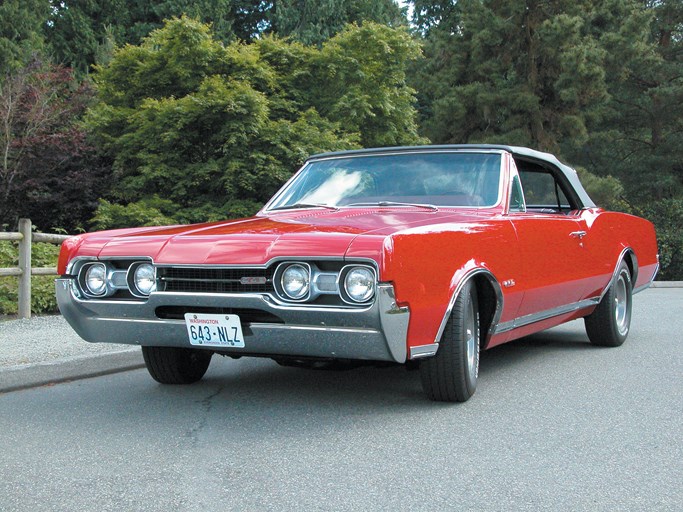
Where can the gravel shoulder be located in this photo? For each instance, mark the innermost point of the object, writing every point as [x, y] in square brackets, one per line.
[47, 339]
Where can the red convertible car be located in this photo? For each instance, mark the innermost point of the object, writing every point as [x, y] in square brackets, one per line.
[412, 255]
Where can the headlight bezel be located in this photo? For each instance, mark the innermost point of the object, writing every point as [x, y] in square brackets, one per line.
[344, 292]
[281, 273]
[84, 276]
[132, 279]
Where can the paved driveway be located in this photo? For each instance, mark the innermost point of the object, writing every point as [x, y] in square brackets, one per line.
[556, 424]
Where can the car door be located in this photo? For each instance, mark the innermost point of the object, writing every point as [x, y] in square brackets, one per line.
[550, 234]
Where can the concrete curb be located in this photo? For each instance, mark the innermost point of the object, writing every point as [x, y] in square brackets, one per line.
[25, 376]
[667, 284]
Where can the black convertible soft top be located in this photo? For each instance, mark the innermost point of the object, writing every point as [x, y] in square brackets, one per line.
[519, 153]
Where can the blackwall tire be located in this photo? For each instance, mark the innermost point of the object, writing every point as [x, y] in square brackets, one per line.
[171, 365]
[609, 324]
[451, 375]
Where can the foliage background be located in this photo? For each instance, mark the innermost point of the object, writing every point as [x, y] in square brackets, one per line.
[42, 287]
[124, 113]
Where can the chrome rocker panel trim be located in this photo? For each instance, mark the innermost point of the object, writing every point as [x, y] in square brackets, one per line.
[424, 351]
[649, 283]
[545, 315]
[378, 332]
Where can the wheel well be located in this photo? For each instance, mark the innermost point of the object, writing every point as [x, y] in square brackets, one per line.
[632, 263]
[488, 305]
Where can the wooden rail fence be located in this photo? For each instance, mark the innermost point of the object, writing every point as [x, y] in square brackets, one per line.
[24, 271]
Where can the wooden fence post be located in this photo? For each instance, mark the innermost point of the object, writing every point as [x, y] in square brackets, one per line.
[25, 266]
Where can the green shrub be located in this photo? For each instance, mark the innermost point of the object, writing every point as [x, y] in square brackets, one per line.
[43, 298]
[667, 216]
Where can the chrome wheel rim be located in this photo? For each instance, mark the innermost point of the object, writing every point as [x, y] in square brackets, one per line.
[621, 306]
[471, 342]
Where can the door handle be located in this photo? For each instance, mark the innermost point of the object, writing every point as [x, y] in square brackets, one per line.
[578, 234]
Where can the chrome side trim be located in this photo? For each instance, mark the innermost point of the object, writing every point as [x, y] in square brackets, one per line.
[613, 279]
[649, 283]
[545, 315]
[394, 320]
[423, 351]
[451, 303]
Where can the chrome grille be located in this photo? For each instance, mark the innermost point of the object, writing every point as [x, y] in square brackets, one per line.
[215, 280]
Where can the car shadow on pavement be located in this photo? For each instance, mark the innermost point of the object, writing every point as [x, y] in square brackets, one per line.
[539, 346]
[261, 382]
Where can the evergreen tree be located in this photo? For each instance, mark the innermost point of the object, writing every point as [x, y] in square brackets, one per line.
[527, 73]
[21, 35]
[316, 22]
[251, 18]
[639, 133]
[78, 30]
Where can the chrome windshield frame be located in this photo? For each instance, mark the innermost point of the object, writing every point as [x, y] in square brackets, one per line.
[268, 207]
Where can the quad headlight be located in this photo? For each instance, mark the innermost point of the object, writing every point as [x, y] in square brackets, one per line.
[296, 281]
[325, 283]
[359, 284]
[144, 279]
[117, 278]
[96, 279]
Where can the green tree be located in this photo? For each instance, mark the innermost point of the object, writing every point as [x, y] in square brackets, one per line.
[21, 35]
[638, 135]
[316, 22]
[80, 32]
[251, 18]
[216, 129]
[667, 216]
[527, 73]
[363, 84]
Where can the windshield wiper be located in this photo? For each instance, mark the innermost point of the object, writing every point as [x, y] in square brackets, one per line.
[396, 203]
[305, 205]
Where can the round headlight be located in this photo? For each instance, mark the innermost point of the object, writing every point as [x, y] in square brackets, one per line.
[359, 284]
[296, 281]
[144, 279]
[96, 279]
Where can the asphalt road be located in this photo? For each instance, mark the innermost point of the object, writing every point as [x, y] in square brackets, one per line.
[556, 424]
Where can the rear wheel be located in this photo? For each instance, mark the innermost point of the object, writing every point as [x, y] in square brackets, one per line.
[609, 324]
[451, 375]
[171, 365]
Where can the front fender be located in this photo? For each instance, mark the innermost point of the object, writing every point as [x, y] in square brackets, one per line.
[428, 268]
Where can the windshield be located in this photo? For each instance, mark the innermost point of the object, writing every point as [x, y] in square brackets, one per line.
[439, 179]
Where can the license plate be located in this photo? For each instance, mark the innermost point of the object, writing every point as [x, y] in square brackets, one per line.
[214, 330]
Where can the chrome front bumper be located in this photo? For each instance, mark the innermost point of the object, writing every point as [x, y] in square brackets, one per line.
[377, 332]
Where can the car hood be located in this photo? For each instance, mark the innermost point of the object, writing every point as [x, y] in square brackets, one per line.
[257, 240]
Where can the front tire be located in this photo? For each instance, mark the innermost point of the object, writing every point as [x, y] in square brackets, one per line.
[171, 365]
[609, 324]
[451, 375]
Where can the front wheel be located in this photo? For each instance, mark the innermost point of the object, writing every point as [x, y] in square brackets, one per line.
[451, 375]
[609, 324]
[171, 365]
